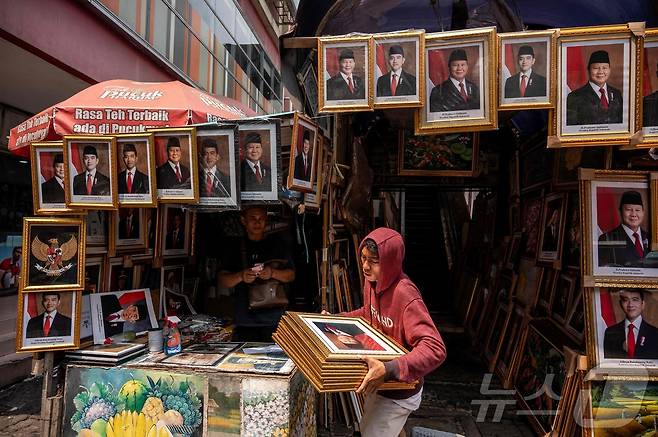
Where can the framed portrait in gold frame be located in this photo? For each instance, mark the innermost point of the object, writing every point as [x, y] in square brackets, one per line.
[617, 212]
[398, 68]
[54, 259]
[647, 136]
[176, 172]
[597, 93]
[526, 74]
[48, 176]
[136, 170]
[313, 200]
[37, 330]
[175, 228]
[344, 73]
[304, 146]
[460, 82]
[128, 230]
[90, 172]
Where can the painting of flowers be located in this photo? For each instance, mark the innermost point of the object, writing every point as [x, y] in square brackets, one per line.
[437, 155]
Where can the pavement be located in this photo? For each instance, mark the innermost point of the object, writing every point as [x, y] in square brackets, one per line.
[446, 406]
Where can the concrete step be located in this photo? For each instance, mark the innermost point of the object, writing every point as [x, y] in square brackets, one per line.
[14, 367]
[7, 343]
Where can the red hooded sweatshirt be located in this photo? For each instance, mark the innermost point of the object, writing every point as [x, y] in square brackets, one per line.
[394, 305]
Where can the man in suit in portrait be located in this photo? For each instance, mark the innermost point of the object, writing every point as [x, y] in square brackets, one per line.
[525, 83]
[551, 232]
[173, 174]
[633, 337]
[304, 160]
[396, 82]
[345, 85]
[596, 102]
[214, 183]
[52, 191]
[131, 180]
[129, 224]
[627, 244]
[456, 93]
[91, 182]
[650, 108]
[50, 323]
[176, 237]
[254, 174]
[127, 312]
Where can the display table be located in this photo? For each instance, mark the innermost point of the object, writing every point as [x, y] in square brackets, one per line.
[139, 399]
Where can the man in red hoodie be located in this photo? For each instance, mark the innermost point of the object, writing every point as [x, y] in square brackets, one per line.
[393, 304]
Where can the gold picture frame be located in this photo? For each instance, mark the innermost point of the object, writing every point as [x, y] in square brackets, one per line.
[30, 336]
[145, 144]
[610, 260]
[540, 46]
[128, 230]
[402, 43]
[476, 110]
[438, 155]
[44, 192]
[104, 190]
[573, 123]
[168, 188]
[167, 243]
[647, 136]
[301, 126]
[330, 87]
[551, 235]
[314, 200]
[52, 265]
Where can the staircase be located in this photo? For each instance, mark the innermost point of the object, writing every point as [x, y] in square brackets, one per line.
[13, 367]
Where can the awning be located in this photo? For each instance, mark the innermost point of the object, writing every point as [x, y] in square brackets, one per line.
[123, 106]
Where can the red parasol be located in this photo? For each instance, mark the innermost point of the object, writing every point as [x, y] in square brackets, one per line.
[123, 106]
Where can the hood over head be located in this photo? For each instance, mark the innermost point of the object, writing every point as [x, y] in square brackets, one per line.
[391, 254]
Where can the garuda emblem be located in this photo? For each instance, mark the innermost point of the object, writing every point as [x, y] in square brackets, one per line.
[53, 255]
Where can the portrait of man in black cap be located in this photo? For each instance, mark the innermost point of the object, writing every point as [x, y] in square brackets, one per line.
[596, 102]
[131, 180]
[457, 93]
[396, 82]
[527, 82]
[304, 160]
[627, 244]
[52, 191]
[213, 182]
[173, 174]
[255, 175]
[650, 108]
[91, 182]
[346, 85]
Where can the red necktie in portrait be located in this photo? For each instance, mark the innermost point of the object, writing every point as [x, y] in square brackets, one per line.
[259, 176]
[129, 182]
[462, 91]
[604, 99]
[523, 85]
[208, 183]
[638, 245]
[394, 84]
[630, 341]
[88, 183]
[179, 178]
[46, 326]
[350, 84]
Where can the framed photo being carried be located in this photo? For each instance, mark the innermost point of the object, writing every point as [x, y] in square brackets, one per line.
[398, 69]
[344, 73]
[597, 86]
[460, 84]
[303, 154]
[48, 321]
[618, 224]
[176, 161]
[90, 172]
[527, 70]
[259, 161]
[54, 254]
[611, 311]
[218, 173]
[48, 177]
[437, 155]
[136, 164]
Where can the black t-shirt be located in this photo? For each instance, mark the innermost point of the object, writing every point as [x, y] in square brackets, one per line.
[232, 260]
